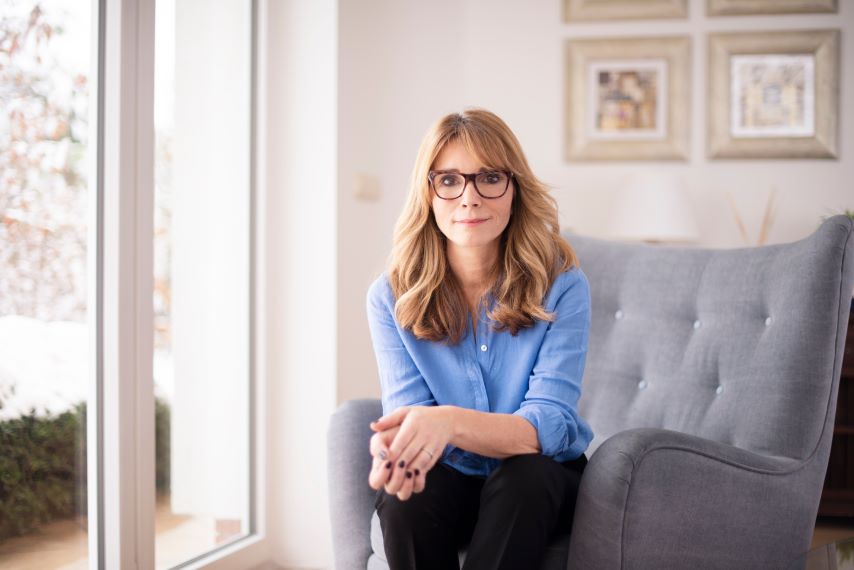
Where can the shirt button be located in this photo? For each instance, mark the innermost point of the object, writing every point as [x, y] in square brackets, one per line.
[768, 322]
[618, 315]
[483, 348]
[697, 324]
[641, 384]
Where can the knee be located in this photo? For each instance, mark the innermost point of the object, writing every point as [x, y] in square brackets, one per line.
[523, 478]
[394, 513]
[527, 467]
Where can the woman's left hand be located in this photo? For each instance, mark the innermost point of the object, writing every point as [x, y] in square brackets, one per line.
[427, 428]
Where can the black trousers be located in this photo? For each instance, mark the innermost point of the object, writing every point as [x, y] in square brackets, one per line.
[506, 520]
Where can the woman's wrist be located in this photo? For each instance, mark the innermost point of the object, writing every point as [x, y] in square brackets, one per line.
[460, 420]
[452, 417]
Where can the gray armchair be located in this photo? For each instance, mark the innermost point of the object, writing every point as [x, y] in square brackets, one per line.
[711, 385]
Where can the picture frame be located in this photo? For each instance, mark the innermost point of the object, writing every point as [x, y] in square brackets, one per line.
[745, 7]
[773, 94]
[593, 10]
[627, 98]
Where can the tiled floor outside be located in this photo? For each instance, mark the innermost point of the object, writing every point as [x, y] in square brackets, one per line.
[62, 546]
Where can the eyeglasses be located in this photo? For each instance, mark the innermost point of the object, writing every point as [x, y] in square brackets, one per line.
[451, 185]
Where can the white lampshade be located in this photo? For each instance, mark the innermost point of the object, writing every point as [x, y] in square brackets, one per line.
[653, 208]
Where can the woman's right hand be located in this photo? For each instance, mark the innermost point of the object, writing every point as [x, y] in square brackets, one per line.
[382, 467]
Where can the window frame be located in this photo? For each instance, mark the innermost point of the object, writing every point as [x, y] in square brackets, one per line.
[120, 434]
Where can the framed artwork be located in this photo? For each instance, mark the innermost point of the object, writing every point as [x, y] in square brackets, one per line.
[740, 7]
[587, 10]
[773, 94]
[627, 98]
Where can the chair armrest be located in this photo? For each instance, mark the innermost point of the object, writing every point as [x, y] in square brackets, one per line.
[649, 497]
[351, 499]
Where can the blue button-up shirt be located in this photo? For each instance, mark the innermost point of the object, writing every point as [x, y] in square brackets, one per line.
[535, 374]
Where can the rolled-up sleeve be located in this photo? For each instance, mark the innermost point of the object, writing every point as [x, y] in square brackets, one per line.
[554, 387]
[401, 382]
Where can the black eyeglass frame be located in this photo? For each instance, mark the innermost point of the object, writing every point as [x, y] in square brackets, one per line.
[468, 177]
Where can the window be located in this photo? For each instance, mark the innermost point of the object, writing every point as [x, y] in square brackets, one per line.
[126, 284]
[202, 225]
[45, 49]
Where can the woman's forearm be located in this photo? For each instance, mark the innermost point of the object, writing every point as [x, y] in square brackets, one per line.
[492, 434]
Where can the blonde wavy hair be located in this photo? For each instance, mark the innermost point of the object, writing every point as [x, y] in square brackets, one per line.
[430, 301]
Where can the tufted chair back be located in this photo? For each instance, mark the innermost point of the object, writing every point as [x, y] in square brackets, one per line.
[709, 342]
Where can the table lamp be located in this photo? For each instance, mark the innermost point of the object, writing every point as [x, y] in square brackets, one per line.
[653, 208]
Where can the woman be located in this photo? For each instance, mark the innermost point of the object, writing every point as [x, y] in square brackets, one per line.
[480, 329]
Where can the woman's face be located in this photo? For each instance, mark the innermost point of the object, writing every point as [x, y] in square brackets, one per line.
[452, 215]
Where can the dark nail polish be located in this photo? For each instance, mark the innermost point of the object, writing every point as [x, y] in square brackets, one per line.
[402, 463]
[388, 465]
[417, 472]
[409, 474]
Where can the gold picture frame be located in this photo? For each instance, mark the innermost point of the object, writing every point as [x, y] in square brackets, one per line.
[627, 98]
[592, 10]
[744, 7]
[773, 94]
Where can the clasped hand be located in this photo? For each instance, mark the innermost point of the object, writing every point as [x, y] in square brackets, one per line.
[400, 447]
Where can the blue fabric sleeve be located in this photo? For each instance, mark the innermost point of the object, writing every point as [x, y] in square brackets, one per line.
[400, 380]
[554, 387]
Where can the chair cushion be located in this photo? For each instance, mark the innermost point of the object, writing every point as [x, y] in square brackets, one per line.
[377, 538]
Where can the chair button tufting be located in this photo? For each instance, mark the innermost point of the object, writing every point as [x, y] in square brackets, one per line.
[641, 384]
[696, 324]
[719, 389]
[619, 314]
[768, 322]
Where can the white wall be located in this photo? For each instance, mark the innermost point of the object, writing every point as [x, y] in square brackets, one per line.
[806, 189]
[507, 56]
[392, 57]
[300, 157]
